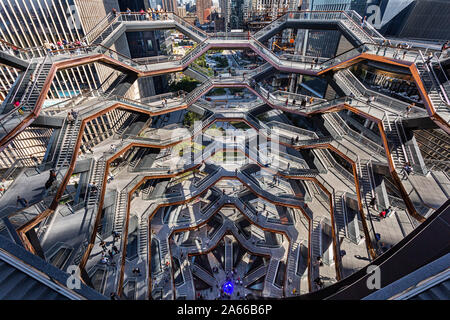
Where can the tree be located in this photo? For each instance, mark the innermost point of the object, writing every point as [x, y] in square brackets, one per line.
[187, 84]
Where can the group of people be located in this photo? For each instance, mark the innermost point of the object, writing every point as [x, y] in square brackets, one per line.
[109, 254]
[72, 115]
[406, 169]
[62, 45]
[303, 101]
[386, 212]
[19, 107]
[149, 14]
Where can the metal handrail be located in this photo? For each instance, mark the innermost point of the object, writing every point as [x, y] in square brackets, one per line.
[433, 82]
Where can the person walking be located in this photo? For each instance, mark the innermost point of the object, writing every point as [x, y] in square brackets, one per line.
[409, 108]
[351, 96]
[48, 46]
[303, 103]
[372, 202]
[319, 261]
[50, 180]
[70, 117]
[22, 201]
[318, 281]
[445, 49]
[115, 235]
[74, 114]
[137, 272]
[2, 186]
[363, 22]
[93, 187]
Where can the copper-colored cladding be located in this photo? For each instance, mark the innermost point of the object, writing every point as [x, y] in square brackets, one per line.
[32, 223]
[97, 221]
[358, 193]
[102, 58]
[120, 285]
[36, 220]
[98, 217]
[112, 62]
[86, 256]
[218, 242]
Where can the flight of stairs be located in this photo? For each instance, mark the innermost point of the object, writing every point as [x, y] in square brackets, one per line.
[357, 31]
[228, 256]
[121, 208]
[197, 92]
[293, 258]
[431, 88]
[143, 237]
[398, 157]
[97, 177]
[35, 92]
[339, 215]
[163, 243]
[106, 32]
[18, 90]
[316, 239]
[18, 285]
[271, 271]
[68, 143]
[364, 180]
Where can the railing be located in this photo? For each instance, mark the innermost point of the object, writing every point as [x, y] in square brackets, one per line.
[24, 54]
[438, 164]
[13, 98]
[203, 71]
[441, 105]
[394, 105]
[13, 116]
[161, 16]
[415, 158]
[435, 79]
[358, 137]
[367, 28]
[99, 28]
[304, 15]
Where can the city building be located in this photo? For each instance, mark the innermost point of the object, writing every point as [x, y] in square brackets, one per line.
[203, 8]
[224, 165]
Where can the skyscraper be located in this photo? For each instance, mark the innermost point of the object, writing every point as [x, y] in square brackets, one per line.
[29, 23]
[203, 10]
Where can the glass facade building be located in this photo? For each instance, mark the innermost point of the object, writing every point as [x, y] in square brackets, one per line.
[29, 23]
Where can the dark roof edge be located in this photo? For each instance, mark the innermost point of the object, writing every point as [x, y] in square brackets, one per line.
[55, 275]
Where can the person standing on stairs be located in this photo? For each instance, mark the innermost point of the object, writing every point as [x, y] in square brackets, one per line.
[22, 201]
[70, 117]
[408, 108]
[373, 202]
[51, 179]
[74, 114]
[429, 58]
